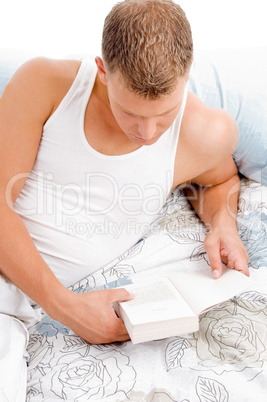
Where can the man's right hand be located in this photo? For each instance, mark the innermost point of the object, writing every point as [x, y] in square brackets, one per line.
[91, 315]
[29, 99]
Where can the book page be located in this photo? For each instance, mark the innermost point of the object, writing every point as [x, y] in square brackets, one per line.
[156, 302]
[201, 291]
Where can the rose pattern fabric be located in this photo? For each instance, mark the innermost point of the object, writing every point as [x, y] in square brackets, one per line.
[232, 338]
[229, 348]
[92, 377]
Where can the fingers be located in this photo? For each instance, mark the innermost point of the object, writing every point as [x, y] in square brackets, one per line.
[216, 267]
[120, 295]
[230, 251]
[92, 317]
[108, 334]
[114, 327]
[113, 330]
[236, 259]
[212, 248]
[242, 267]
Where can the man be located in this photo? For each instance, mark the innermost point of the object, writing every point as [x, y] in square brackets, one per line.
[93, 143]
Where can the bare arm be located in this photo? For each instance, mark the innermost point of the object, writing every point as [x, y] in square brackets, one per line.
[214, 195]
[25, 105]
[217, 207]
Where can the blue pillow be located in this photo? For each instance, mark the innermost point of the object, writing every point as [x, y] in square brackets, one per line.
[236, 80]
[10, 60]
[6, 70]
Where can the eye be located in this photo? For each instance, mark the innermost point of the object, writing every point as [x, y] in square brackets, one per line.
[128, 114]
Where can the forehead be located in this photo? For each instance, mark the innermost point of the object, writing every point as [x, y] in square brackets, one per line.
[134, 104]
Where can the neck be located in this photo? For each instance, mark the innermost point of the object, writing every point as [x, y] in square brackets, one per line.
[101, 106]
[100, 91]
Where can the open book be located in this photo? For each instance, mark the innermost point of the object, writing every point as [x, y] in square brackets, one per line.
[172, 306]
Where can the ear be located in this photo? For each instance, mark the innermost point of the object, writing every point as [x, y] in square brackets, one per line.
[101, 70]
[189, 69]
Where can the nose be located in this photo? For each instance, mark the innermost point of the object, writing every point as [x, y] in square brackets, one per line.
[147, 128]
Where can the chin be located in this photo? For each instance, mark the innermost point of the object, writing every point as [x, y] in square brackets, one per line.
[150, 142]
[141, 141]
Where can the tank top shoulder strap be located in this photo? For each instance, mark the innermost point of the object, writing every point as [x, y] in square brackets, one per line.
[80, 89]
[171, 140]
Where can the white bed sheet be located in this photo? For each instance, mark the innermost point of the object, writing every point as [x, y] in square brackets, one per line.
[225, 361]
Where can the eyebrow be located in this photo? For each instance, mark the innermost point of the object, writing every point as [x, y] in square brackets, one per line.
[158, 115]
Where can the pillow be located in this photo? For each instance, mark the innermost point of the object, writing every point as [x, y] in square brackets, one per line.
[233, 79]
[236, 80]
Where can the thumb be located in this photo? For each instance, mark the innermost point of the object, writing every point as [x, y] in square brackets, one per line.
[121, 295]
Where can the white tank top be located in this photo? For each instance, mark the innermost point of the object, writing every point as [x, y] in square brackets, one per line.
[82, 208]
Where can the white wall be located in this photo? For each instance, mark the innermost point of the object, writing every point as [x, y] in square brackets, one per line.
[60, 27]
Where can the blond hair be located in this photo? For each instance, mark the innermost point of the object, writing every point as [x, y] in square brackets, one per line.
[150, 43]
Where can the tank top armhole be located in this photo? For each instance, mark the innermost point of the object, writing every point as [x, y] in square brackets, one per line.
[177, 127]
[83, 67]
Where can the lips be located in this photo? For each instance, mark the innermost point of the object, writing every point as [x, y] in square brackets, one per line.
[139, 138]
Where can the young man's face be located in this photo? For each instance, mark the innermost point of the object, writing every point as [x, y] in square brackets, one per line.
[143, 121]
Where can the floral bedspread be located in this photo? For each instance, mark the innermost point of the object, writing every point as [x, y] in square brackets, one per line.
[226, 360]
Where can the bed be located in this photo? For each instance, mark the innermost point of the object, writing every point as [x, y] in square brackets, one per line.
[226, 360]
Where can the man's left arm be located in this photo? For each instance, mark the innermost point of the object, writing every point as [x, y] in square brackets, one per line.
[217, 207]
[214, 195]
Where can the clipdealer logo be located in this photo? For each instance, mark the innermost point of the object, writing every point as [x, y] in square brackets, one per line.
[98, 195]
[106, 227]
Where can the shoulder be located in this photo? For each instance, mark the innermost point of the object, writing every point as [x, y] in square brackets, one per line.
[207, 130]
[49, 69]
[207, 139]
[40, 84]
[27, 101]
